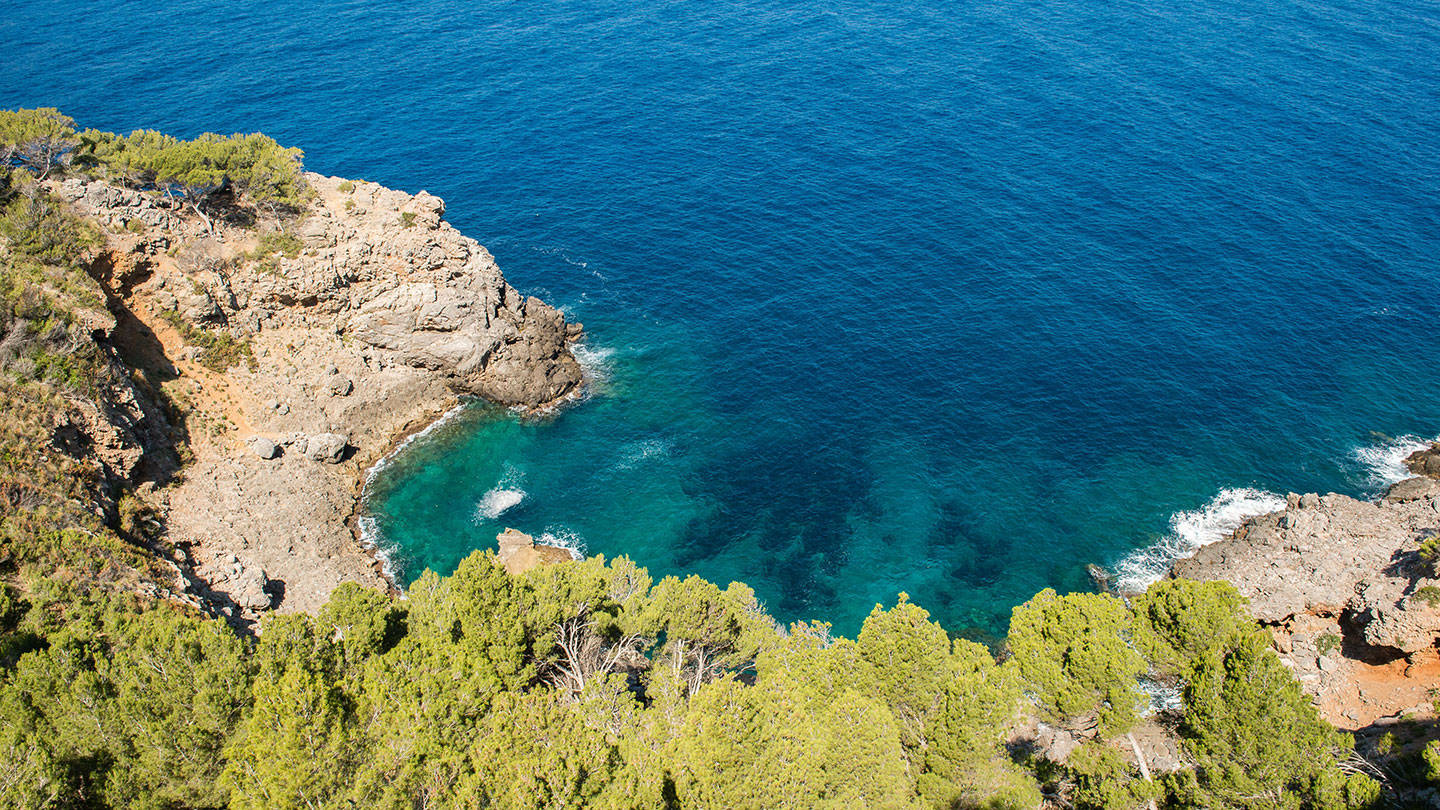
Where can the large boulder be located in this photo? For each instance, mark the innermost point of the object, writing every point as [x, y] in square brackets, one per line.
[263, 447]
[519, 552]
[327, 447]
[1425, 462]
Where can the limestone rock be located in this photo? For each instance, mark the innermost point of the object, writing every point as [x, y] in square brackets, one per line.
[373, 327]
[1335, 556]
[1425, 462]
[263, 447]
[250, 589]
[326, 447]
[519, 552]
[1413, 489]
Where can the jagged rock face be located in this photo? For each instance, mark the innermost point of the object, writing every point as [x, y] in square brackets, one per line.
[1425, 462]
[378, 316]
[406, 281]
[379, 266]
[1337, 556]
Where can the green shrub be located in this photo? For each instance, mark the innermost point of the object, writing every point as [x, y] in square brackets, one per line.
[39, 227]
[1427, 595]
[1430, 551]
[346, 186]
[1103, 780]
[219, 351]
[1327, 643]
[39, 140]
[1178, 621]
[256, 167]
[1074, 655]
[272, 246]
[407, 219]
[1257, 739]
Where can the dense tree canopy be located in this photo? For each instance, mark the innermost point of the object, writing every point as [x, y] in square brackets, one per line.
[449, 698]
[35, 140]
[253, 166]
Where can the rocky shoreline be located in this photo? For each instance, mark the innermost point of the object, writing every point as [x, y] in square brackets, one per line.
[1351, 600]
[269, 366]
[280, 365]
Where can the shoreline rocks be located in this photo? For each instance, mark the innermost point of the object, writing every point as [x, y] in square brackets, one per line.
[1352, 604]
[519, 552]
[289, 370]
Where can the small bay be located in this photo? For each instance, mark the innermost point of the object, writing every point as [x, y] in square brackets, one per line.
[944, 299]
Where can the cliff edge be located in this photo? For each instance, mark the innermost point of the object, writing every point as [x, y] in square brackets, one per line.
[288, 357]
[1348, 594]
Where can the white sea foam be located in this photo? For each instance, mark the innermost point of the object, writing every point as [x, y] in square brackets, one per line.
[1162, 697]
[596, 362]
[1189, 531]
[497, 502]
[370, 535]
[637, 452]
[385, 460]
[372, 538]
[561, 537]
[1383, 463]
[507, 494]
[595, 372]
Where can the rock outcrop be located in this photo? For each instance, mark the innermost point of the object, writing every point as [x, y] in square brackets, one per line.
[1344, 588]
[1425, 462]
[519, 552]
[282, 364]
[377, 265]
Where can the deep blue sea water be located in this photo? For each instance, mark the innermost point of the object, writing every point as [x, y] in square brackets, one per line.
[948, 298]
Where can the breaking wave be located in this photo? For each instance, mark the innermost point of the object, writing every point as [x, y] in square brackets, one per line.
[1383, 463]
[1189, 531]
[504, 496]
[561, 537]
[597, 363]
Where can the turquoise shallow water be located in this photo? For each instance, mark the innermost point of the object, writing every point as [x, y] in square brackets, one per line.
[944, 299]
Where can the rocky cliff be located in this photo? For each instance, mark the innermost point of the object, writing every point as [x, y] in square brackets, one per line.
[281, 359]
[1353, 603]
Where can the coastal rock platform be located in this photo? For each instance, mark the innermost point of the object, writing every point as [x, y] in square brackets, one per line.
[1353, 603]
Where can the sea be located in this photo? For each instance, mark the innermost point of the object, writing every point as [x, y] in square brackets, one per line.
[950, 299]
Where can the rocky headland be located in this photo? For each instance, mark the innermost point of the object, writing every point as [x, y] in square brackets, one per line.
[270, 364]
[1344, 586]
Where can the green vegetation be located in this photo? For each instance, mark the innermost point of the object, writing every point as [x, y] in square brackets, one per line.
[218, 351]
[272, 246]
[211, 173]
[1327, 643]
[43, 291]
[346, 186]
[585, 685]
[1074, 654]
[1427, 595]
[580, 684]
[36, 141]
[253, 167]
[1430, 552]
[407, 219]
